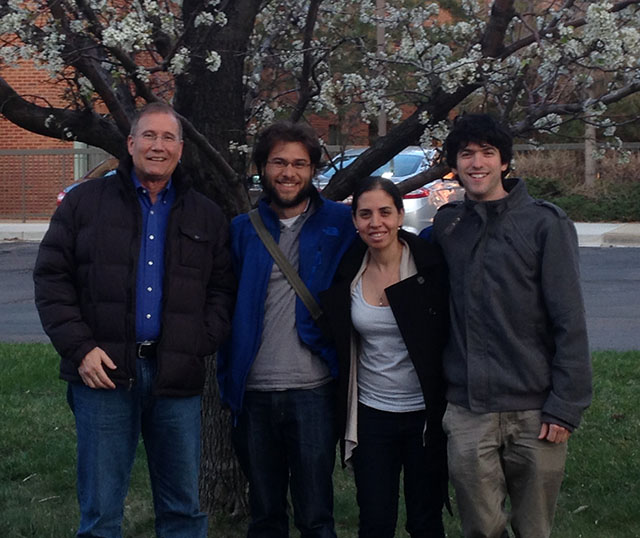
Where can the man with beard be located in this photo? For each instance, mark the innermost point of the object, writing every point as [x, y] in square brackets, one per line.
[276, 370]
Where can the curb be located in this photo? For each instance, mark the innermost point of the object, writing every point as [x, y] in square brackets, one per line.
[23, 231]
[625, 235]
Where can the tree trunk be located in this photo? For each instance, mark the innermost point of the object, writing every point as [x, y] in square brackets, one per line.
[214, 103]
[590, 148]
[223, 487]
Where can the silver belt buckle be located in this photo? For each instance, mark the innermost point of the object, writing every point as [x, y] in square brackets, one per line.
[141, 346]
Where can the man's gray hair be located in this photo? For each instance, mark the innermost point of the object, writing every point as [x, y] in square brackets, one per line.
[155, 108]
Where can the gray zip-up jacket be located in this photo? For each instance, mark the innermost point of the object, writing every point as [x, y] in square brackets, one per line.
[518, 336]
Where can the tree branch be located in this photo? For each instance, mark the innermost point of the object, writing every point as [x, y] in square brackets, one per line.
[207, 149]
[406, 133]
[101, 81]
[304, 91]
[493, 40]
[576, 23]
[84, 126]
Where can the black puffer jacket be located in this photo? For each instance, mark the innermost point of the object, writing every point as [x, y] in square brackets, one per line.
[85, 281]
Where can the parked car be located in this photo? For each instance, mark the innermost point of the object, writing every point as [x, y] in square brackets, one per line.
[420, 205]
[105, 168]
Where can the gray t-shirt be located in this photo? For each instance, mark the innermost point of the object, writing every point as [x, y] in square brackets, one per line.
[387, 379]
[283, 361]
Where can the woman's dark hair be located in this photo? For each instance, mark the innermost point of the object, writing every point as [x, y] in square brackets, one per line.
[478, 129]
[372, 183]
[286, 131]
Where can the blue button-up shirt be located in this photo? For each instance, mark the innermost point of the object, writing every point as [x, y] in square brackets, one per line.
[151, 261]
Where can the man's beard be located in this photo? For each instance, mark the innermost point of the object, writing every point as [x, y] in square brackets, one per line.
[276, 200]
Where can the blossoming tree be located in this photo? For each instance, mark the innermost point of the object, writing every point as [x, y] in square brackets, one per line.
[232, 66]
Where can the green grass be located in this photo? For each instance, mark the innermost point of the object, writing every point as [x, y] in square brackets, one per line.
[600, 495]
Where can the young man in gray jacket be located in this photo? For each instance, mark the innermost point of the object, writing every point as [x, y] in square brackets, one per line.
[517, 364]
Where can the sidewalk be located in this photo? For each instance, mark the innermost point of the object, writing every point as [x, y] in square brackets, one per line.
[590, 234]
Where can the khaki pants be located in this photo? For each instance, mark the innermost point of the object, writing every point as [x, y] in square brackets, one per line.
[495, 454]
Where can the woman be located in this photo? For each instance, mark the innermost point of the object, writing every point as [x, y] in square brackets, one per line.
[387, 311]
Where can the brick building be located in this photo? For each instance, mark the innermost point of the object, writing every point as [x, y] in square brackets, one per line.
[33, 168]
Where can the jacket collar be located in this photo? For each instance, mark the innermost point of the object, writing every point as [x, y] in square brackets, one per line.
[516, 196]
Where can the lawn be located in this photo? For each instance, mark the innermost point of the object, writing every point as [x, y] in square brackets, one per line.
[600, 496]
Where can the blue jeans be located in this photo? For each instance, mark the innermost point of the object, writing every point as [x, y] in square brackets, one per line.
[287, 439]
[387, 443]
[109, 424]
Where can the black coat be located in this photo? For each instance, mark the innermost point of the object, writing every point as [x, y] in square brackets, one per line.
[85, 281]
[420, 307]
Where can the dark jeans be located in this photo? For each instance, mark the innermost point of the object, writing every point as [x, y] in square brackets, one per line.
[387, 443]
[109, 424]
[286, 439]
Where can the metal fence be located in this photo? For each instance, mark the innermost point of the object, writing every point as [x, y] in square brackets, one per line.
[30, 179]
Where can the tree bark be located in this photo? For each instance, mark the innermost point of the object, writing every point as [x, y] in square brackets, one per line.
[223, 487]
[590, 147]
[214, 101]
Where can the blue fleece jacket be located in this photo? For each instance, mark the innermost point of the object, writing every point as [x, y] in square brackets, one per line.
[324, 238]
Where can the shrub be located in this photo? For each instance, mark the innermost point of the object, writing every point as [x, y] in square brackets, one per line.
[557, 176]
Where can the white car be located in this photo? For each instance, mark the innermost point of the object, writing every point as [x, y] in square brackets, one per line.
[421, 204]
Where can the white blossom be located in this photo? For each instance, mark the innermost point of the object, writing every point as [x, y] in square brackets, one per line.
[213, 61]
[129, 34]
[180, 61]
[434, 134]
[48, 122]
[142, 73]
[204, 18]
[550, 122]
[238, 148]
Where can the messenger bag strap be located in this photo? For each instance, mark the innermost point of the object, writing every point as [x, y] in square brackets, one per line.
[286, 267]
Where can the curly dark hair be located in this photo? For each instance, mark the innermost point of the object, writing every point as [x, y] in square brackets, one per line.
[478, 129]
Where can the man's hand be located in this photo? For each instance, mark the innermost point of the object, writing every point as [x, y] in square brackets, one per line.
[92, 372]
[554, 433]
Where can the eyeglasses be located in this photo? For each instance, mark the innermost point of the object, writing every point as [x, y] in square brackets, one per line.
[281, 164]
[165, 138]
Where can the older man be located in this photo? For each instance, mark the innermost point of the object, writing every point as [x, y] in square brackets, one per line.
[134, 287]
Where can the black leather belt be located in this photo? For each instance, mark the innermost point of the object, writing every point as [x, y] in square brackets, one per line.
[146, 349]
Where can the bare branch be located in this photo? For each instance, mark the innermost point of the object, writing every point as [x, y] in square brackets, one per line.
[84, 126]
[576, 23]
[304, 91]
[493, 40]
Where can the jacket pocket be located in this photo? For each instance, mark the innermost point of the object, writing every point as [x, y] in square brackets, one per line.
[523, 250]
[194, 247]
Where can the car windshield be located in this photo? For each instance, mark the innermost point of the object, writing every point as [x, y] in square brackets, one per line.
[399, 166]
[338, 164]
